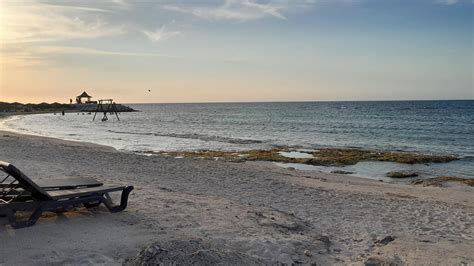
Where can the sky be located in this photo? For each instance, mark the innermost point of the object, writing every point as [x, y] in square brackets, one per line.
[236, 50]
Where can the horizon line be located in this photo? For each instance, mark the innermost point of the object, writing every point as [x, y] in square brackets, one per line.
[291, 101]
[308, 101]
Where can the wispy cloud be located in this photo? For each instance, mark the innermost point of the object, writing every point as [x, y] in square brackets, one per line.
[55, 50]
[454, 2]
[265, 8]
[46, 55]
[28, 27]
[448, 2]
[80, 8]
[238, 10]
[121, 3]
[30, 21]
[161, 34]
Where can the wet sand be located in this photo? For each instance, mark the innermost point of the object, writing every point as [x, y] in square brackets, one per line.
[208, 212]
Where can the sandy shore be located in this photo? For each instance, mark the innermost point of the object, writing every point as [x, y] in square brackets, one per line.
[203, 211]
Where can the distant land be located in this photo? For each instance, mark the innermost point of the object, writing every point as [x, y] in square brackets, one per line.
[16, 107]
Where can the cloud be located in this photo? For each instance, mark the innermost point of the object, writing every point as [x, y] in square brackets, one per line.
[31, 21]
[121, 3]
[43, 52]
[46, 55]
[265, 9]
[55, 50]
[448, 2]
[81, 8]
[454, 2]
[237, 10]
[161, 34]
[28, 26]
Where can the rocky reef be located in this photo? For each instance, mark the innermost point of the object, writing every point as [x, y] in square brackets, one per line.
[441, 181]
[93, 107]
[31, 107]
[320, 157]
[20, 108]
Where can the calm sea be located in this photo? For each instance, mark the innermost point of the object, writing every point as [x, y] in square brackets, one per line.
[440, 127]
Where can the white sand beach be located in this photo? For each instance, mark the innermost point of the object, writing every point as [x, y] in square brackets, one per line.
[236, 132]
[213, 212]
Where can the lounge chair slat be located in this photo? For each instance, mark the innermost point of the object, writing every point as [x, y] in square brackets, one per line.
[73, 193]
[68, 183]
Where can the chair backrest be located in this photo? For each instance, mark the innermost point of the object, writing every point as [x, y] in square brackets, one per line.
[24, 181]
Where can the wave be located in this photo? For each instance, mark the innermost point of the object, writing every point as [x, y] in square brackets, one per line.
[194, 136]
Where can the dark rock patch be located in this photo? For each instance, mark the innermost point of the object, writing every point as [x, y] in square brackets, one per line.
[341, 172]
[384, 241]
[191, 252]
[401, 174]
[377, 261]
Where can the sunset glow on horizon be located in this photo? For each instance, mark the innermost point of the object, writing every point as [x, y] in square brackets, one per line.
[236, 50]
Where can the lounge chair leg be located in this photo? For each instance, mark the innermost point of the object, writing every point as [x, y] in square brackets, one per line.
[123, 201]
[30, 222]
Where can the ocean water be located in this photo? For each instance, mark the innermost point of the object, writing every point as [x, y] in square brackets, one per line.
[438, 127]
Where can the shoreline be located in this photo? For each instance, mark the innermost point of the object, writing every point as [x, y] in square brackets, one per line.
[375, 164]
[249, 212]
[5, 115]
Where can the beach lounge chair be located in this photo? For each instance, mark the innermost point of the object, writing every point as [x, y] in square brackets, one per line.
[19, 193]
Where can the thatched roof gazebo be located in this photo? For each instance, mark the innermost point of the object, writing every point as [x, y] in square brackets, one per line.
[83, 95]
